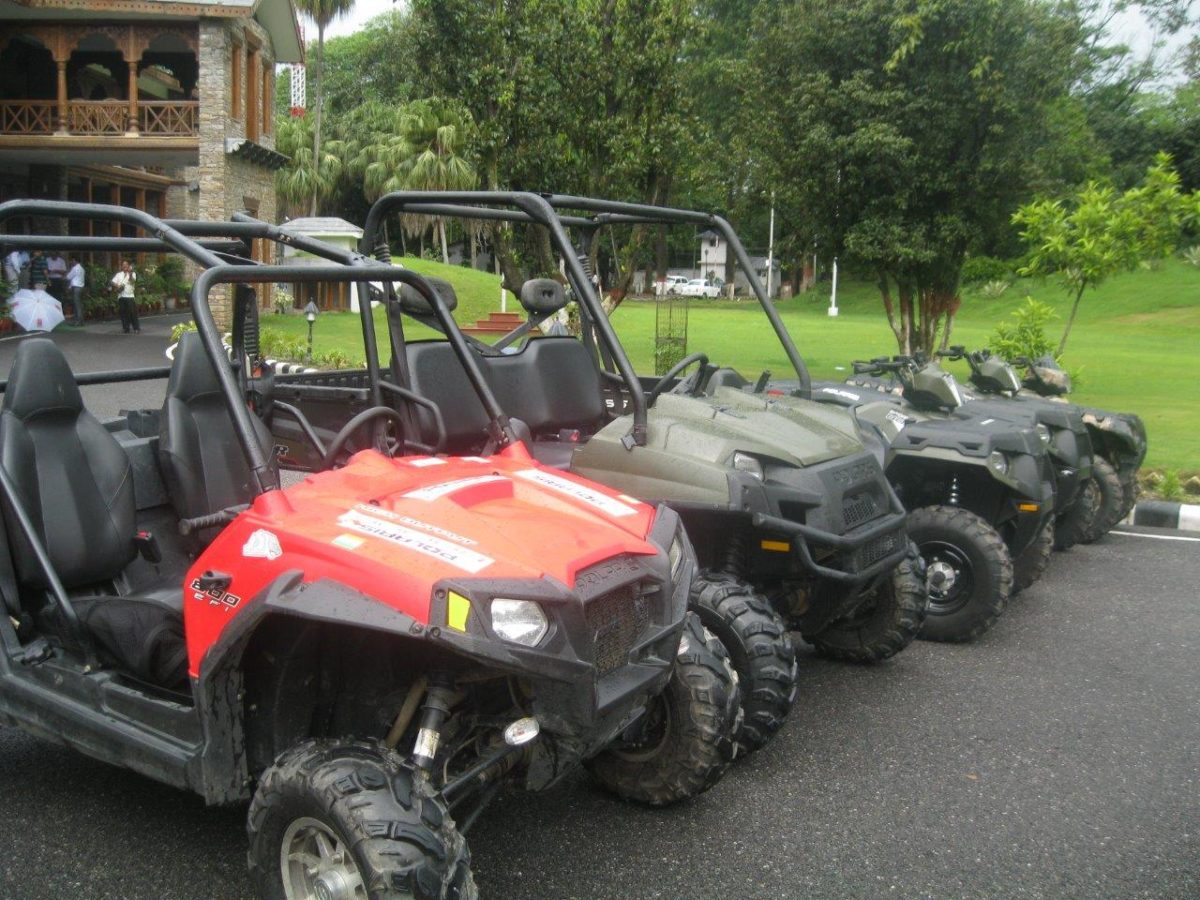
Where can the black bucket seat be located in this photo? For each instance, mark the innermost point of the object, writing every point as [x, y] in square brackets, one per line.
[75, 484]
[202, 461]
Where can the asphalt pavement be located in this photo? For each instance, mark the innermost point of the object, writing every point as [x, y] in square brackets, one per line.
[1058, 756]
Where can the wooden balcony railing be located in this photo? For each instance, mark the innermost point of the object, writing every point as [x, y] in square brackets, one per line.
[172, 118]
[155, 118]
[97, 116]
[27, 116]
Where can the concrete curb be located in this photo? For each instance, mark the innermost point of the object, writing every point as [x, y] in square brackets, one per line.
[1167, 514]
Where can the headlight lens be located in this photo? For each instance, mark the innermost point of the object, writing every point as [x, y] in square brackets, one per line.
[997, 462]
[1043, 434]
[744, 462]
[519, 621]
[676, 555]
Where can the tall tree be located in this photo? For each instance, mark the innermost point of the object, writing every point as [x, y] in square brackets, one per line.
[896, 132]
[322, 12]
[438, 135]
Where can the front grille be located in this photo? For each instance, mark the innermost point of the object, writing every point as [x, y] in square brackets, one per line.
[858, 508]
[875, 550]
[617, 619]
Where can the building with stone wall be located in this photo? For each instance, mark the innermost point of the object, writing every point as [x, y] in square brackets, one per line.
[161, 105]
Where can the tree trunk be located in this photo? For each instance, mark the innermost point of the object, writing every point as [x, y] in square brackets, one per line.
[905, 290]
[661, 254]
[886, 293]
[471, 243]
[1062, 344]
[442, 234]
[320, 92]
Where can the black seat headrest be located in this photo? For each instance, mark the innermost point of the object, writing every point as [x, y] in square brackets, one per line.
[192, 373]
[40, 380]
[542, 296]
[414, 304]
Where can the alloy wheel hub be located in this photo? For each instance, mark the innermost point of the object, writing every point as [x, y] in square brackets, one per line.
[940, 576]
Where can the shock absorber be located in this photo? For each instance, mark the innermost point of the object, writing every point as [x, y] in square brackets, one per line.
[434, 713]
[952, 500]
[736, 558]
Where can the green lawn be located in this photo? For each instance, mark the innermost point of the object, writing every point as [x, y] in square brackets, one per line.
[1135, 340]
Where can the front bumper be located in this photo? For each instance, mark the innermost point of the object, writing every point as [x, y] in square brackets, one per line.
[611, 643]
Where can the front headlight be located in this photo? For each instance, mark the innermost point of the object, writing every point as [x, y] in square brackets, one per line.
[997, 462]
[676, 555]
[519, 621]
[744, 462]
[1043, 434]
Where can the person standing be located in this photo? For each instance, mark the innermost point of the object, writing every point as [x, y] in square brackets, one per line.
[39, 276]
[56, 269]
[123, 282]
[13, 263]
[76, 279]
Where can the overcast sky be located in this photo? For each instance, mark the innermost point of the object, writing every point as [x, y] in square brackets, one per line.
[1130, 27]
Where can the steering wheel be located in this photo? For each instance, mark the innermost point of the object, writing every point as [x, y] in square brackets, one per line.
[338, 444]
[689, 360]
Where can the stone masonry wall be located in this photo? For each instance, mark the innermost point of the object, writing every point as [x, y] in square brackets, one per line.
[228, 184]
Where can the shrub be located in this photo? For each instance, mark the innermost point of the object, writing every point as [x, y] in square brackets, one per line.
[1170, 487]
[993, 290]
[180, 329]
[1025, 334]
[981, 269]
[1192, 255]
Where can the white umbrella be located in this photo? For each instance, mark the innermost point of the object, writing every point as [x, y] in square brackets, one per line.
[35, 310]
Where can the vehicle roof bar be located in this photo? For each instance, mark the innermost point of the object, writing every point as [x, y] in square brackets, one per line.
[103, 244]
[611, 212]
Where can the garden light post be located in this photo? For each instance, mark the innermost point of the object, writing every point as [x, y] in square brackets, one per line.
[310, 313]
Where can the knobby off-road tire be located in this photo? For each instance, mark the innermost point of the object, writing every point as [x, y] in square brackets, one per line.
[1031, 564]
[882, 625]
[689, 732]
[969, 573]
[326, 800]
[1112, 495]
[1072, 525]
[1130, 491]
[759, 648]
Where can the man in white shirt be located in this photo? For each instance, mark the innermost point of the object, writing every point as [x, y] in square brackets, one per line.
[14, 263]
[123, 282]
[76, 279]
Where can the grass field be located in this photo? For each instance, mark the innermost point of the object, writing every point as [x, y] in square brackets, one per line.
[1135, 339]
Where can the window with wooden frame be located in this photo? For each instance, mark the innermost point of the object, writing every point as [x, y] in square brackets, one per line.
[252, 101]
[268, 97]
[235, 80]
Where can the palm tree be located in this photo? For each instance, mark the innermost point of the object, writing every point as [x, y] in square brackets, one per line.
[323, 12]
[303, 178]
[435, 136]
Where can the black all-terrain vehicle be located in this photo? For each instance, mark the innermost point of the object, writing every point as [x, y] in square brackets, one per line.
[980, 490]
[368, 655]
[1087, 502]
[793, 522]
[1118, 439]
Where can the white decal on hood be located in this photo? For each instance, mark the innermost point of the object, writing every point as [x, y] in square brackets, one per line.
[601, 501]
[415, 523]
[436, 491]
[262, 545]
[459, 557]
[897, 418]
[838, 392]
[427, 461]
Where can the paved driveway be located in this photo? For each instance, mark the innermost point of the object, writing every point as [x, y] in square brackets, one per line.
[1057, 757]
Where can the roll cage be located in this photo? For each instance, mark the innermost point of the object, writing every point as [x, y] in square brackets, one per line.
[556, 213]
